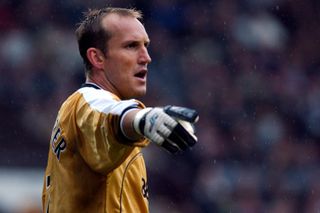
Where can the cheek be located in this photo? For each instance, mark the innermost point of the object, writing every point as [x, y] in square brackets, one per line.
[127, 62]
[120, 66]
[123, 61]
[125, 66]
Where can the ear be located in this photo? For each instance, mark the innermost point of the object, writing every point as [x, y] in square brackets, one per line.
[96, 57]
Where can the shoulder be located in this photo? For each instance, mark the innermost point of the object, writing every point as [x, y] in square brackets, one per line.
[93, 94]
[105, 101]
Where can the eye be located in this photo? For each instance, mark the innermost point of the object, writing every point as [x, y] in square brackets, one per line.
[132, 45]
[146, 44]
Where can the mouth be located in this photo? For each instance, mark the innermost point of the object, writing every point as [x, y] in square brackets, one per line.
[141, 74]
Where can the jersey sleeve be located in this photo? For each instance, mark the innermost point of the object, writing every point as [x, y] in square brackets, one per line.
[101, 142]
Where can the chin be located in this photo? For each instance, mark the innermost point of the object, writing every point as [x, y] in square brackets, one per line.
[140, 93]
[135, 94]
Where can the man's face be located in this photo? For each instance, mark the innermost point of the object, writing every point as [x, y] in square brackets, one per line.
[127, 56]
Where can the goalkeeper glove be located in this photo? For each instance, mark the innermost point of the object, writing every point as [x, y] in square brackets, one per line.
[170, 127]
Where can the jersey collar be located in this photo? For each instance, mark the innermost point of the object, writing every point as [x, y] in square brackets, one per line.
[90, 84]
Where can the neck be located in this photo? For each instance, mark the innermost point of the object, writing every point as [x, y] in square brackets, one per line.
[102, 82]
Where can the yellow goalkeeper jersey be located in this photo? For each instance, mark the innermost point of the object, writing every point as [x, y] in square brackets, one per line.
[91, 166]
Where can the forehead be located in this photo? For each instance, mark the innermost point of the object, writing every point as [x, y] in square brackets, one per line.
[124, 27]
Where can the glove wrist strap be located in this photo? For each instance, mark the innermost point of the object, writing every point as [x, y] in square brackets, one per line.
[139, 120]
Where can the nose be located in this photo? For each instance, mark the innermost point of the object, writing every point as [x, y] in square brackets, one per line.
[144, 57]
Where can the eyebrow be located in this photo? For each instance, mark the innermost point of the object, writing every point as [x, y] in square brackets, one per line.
[146, 42]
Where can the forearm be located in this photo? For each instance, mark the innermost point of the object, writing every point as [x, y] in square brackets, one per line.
[127, 125]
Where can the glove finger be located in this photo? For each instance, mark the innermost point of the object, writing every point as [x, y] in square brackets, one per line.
[183, 136]
[170, 147]
[157, 138]
[176, 139]
[165, 131]
[182, 113]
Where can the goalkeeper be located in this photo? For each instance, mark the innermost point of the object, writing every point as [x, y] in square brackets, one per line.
[95, 162]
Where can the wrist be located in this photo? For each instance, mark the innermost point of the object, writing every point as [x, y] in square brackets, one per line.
[138, 122]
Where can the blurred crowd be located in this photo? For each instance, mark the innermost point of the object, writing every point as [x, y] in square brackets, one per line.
[251, 68]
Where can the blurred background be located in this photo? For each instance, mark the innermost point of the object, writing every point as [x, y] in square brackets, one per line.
[250, 67]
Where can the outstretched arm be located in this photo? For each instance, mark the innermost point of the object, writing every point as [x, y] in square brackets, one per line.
[170, 127]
